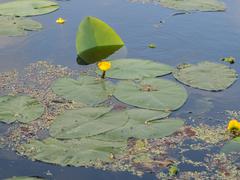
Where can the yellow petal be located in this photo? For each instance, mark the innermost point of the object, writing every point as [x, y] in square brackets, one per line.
[60, 21]
[104, 65]
[233, 124]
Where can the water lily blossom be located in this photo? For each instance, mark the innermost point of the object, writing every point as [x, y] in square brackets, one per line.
[60, 21]
[233, 125]
[104, 66]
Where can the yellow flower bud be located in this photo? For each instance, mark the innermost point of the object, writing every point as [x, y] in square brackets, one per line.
[104, 65]
[60, 21]
[233, 125]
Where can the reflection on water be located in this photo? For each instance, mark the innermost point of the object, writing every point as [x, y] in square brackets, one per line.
[187, 38]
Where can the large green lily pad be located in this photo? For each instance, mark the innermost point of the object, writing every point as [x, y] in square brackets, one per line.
[136, 69]
[137, 129]
[83, 152]
[232, 146]
[156, 94]
[19, 108]
[206, 75]
[17, 26]
[86, 122]
[27, 7]
[96, 40]
[194, 5]
[86, 89]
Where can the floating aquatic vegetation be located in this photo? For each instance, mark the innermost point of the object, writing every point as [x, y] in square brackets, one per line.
[96, 40]
[85, 122]
[156, 94]
[151, 45]
[206, 75]
[86, 89]
[76, 152]
[137, 69]
[19, 108]
[232, 146]
[141, 130]
[230, 59]
[27, 7]
[60, 21]
[189, 5]
[23, 178]
[17, 26]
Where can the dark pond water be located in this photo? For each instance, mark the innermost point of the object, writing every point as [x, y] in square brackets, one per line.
[186, 38]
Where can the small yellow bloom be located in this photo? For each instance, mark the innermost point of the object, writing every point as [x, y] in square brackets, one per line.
[104, 65]
[60, 21]
[233, 125]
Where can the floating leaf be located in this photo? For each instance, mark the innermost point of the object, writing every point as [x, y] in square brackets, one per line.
[206, 75]
[192, 5]
[27, 7]
[17, 26]
[156, 94]
[86, 122]
[139, 129]
[83, 152]
[232, 146]
[86, 89]
[96, 40]
[230, 59]
[136, 69]
[19, 108]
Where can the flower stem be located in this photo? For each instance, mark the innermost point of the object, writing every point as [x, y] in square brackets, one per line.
[103, 75]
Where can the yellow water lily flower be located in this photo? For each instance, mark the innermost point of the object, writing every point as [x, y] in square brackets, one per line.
[60, 21]
[233, 125]
[104, 65]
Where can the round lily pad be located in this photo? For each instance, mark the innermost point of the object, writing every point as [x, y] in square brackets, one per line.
[19, 108]
[136, 69]
[86, 89]
[27, 7]
[194, 5]
[76, 152]
[86, 122]
[17, 26]
[232, 146]
[206, 75]
[155, 94]
[136, 129]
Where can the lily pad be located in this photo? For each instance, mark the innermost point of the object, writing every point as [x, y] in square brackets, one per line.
[86, 89]
[136, 69]
[86, 122]
[155, 94]
[206, 75]
[19, 108]
[232, 146]
[191, 5]
[17, 26]
[27, 7]
[96, 40]
[83, 152]
[140, 129]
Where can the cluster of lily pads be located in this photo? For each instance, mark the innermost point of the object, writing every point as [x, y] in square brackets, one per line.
[14, 15]
[99, 132]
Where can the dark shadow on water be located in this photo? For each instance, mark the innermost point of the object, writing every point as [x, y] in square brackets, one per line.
[13, 165]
